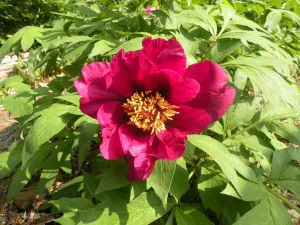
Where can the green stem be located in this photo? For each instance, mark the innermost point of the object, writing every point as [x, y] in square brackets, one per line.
[284, 200]
[244, 130]
[194, 169]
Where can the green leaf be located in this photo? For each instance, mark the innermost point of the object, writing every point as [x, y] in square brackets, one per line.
[199, 18]
[241, 113]
[19, 104]
[50, 123]
[189, 151]
[180, 183]
[171, 219]
[10, 159]
[134, 44]
[72, 98]
[228, 13]
[113, 178]
[69, 189]
[249, 191]
[286, 130]
[273, 86]
[50, 170]
[224, 48]
[24, 173]
[101, 47]
[269, 211]
[212, 181]
[187, 41]
[87, 132]
[186, 215]
[273, 19]
[139, 187]
[15, 39]
[284, 172]
[254, 143]
[229, 163]
[161, 179]
[166, 21]
[143, 210]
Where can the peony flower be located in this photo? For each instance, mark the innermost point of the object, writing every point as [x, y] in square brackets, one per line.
[149, 9]
[148, 102]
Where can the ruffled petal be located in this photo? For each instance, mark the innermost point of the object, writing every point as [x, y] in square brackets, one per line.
[95, 90]
[215, 103]
[213, 96]
[210, 75]
[111, 114]
[111, 148]
[128, 69]
[96, 70]
[81, 87]
[139, 167]
[169, 144]
[133, 140]
[191, 120]
[183, 92]
[165, 54]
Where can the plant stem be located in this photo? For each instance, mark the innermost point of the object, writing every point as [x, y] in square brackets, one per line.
[284, 200]
[244, 130]
[194, 169]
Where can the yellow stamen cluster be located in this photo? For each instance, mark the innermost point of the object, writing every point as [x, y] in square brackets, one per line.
[149, 112]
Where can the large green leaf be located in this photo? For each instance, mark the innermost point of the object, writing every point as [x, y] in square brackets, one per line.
[229, 163]
[273, 86]
[142, 210]
[19, 104]
[284, 172]
[161, 178]
[24, 173]
[45, 127]
[113, 178]
[211, 183]
[10, 159]
[186, 215]
[269, 211]
[87, 132]
[285, 130]
[241, 113]
[180, 183]
[273, 19]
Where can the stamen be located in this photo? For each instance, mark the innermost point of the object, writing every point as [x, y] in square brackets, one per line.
[149, 112]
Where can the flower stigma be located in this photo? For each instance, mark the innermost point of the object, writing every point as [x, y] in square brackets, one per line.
[149, 112]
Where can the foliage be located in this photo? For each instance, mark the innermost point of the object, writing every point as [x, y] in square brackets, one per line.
[233, 173]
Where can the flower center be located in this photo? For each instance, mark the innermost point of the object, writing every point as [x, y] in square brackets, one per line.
[149, 112]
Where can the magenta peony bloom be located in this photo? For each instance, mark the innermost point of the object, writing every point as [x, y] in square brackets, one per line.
[149, 9]
[148, 102]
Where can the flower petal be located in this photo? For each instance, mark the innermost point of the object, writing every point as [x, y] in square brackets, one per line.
[96, 70]
[165, 54]
[215, 103]
[183, 92]
[190, 120]
[160, 81]
[133, 139]
[128, 69]
[95, 91]
[139, 167]
[90, 107]
[209, 75]
[111, 114]
[169, 144]
[111, 148]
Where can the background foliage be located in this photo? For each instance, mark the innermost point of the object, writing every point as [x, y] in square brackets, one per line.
[236, 172]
